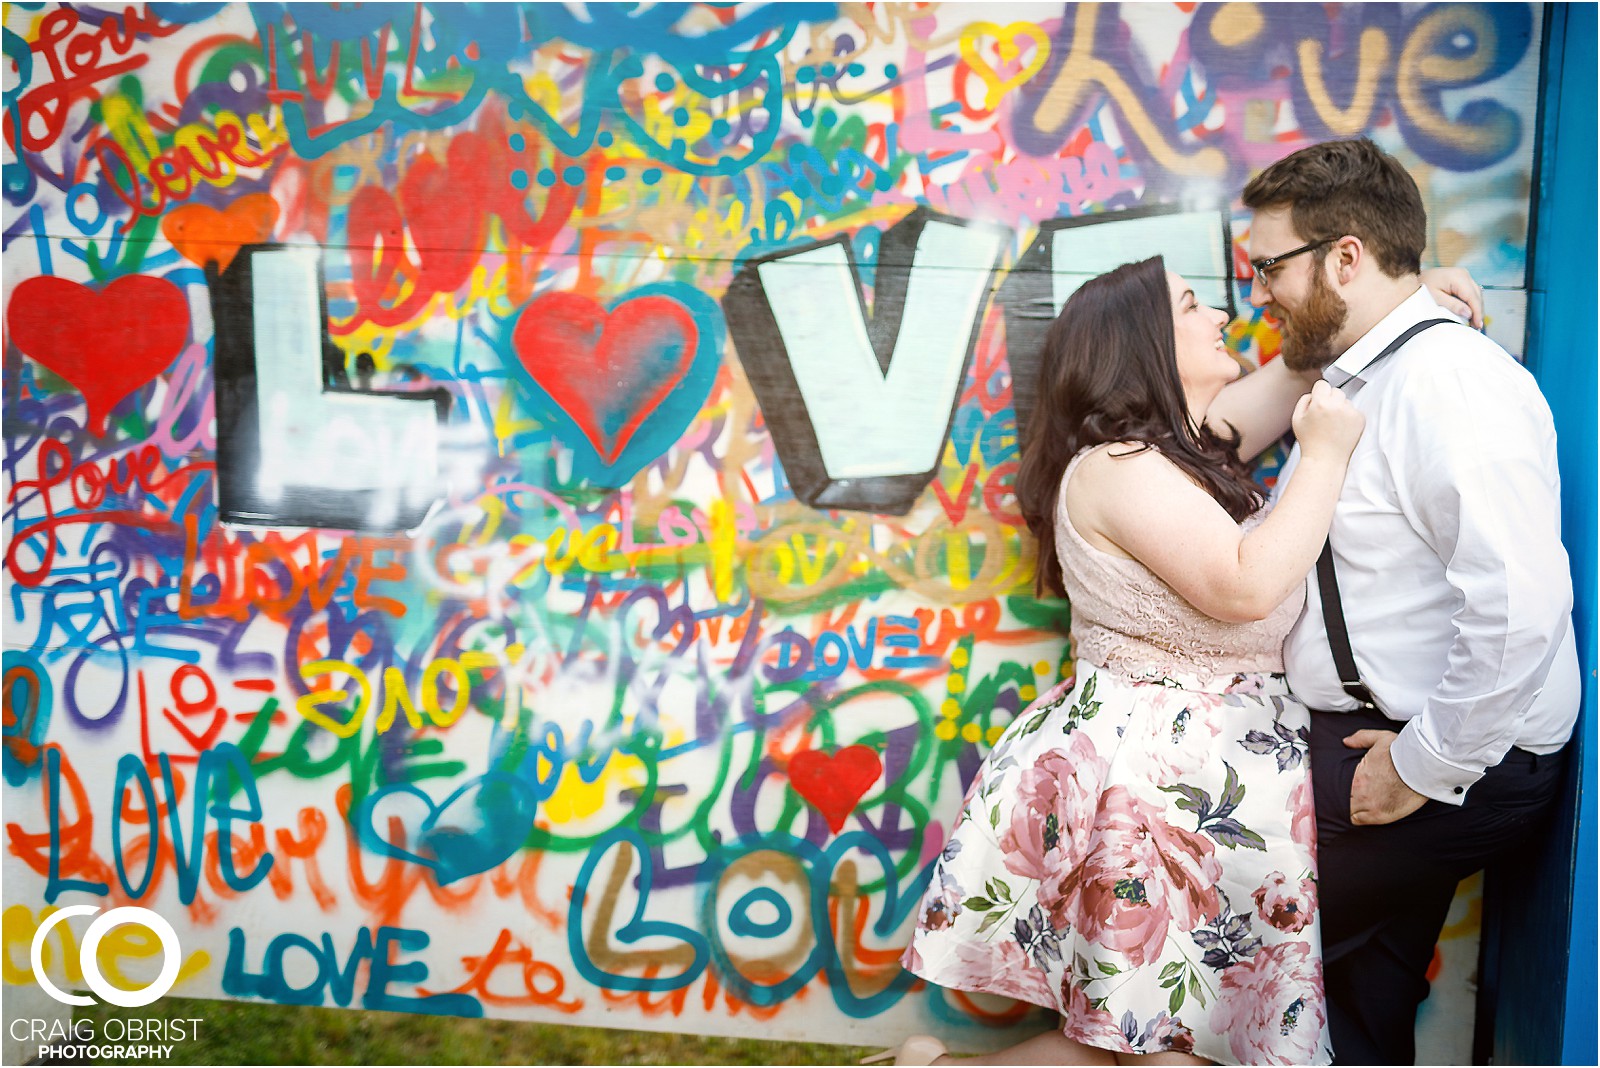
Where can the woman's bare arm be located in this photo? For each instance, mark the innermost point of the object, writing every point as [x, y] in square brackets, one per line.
[1259, 405]
[1144, 506]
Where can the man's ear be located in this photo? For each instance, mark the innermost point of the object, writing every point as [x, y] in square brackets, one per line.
[1350, 256]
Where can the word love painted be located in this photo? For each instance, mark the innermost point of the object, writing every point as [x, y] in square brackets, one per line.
[860, 410]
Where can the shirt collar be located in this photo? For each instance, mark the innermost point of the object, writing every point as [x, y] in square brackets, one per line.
[1417, 308]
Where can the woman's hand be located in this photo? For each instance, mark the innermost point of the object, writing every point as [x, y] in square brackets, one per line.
[1456, 292]
[1326, 424]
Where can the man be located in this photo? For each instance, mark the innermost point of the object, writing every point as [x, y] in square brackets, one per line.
[1447, 744]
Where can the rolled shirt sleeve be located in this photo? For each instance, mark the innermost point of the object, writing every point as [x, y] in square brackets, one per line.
[1475, 473]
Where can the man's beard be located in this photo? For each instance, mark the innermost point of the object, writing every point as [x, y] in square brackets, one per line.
[1309, 333]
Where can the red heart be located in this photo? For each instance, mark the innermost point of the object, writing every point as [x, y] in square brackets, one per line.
[833, 784]
[109, 343]
[442, 209]
[608, 371]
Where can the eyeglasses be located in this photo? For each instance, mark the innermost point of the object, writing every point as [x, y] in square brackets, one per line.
[1266, 263]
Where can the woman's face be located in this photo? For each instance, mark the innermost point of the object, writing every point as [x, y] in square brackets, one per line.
[1204, 365]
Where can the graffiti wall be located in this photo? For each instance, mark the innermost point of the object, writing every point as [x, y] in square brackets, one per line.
[509, 508]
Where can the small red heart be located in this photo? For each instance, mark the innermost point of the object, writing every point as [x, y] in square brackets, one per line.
[834, 784]
[107, 343]
[607, 370]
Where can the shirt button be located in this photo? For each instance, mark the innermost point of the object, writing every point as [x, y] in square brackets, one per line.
[1460, 790]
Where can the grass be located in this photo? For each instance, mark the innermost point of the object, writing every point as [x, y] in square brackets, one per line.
[252, 1033]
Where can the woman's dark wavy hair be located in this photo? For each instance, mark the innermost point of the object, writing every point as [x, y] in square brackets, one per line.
[1109, 372]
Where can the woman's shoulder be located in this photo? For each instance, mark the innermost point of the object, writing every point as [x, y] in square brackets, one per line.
[1124, 475]
[1114, 461]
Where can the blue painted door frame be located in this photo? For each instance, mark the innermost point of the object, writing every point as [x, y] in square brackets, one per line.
[1563, 337]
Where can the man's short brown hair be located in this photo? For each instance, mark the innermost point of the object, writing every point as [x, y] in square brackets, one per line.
[1348, 187]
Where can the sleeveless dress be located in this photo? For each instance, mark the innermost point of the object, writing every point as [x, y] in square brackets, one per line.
[1138, 851]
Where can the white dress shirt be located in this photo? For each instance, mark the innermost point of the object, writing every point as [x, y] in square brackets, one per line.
[1447, 544]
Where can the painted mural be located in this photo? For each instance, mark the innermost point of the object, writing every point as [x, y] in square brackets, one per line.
[508, 508]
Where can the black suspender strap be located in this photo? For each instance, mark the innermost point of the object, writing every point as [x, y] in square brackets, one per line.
[1344, 659]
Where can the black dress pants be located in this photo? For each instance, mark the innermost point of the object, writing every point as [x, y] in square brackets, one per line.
[1384, 890]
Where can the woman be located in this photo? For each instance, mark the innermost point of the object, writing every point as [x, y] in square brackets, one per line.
[1138, 850]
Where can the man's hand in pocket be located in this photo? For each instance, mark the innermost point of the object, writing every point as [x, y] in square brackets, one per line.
[1377, 794]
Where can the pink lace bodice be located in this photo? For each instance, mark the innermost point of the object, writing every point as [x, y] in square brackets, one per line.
[1124, 617]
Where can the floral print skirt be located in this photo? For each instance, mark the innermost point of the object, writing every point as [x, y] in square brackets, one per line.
[1139, 854]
